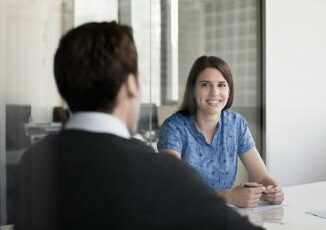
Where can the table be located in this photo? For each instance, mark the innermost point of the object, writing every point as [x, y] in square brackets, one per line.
[298, 200]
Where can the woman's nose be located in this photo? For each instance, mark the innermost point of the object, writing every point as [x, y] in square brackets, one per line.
[215, 90]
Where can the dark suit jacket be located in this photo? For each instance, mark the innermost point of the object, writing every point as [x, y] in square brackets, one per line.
[84, 180]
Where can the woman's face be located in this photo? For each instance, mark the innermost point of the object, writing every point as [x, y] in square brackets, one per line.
[211, 92]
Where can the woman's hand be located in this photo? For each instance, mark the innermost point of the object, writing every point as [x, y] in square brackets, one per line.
[273, 194]
[247, 196]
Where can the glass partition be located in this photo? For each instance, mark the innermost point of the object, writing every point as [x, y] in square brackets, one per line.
[169, 35]
[229, 29]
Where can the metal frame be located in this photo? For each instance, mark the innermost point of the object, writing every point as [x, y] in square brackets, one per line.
[3, 182]
[262, 72]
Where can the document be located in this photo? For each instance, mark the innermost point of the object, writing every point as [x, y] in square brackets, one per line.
[321, 214]
[262, 206]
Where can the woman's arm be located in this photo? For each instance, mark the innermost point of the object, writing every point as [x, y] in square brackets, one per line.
[172, 152]
[258, 173]
[243, 197]
[239, 196]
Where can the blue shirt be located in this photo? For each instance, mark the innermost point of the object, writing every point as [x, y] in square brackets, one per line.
[216, 162]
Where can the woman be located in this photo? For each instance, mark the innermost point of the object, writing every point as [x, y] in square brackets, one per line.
[209, 137]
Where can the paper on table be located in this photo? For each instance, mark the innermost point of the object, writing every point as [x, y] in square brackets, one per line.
[262, 206]
[321, 214]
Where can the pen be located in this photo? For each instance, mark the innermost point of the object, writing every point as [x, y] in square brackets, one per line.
[248, 185]
[251, 185]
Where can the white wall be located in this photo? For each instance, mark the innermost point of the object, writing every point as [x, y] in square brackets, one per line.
[32, 32]
[95, 10]
[146, 21]
[295, 90]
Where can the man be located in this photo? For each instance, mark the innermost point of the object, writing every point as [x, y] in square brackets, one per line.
[92, 175]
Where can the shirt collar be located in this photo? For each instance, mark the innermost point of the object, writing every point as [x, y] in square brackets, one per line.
[192, 125]
[97, 122]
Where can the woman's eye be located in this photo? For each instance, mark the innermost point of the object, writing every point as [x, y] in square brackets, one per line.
[205, 84]
[222, 85]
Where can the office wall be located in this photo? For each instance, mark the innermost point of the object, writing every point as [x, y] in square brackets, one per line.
[94, 10]
[33, 29]
[295, 90]
[146, 24]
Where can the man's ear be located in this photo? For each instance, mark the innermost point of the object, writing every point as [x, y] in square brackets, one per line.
[132, 85]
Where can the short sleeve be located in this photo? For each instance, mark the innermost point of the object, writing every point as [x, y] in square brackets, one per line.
[246, 141]
[170, 136]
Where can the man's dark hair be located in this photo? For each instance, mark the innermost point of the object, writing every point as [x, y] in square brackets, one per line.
[91, 63]
[188, 106]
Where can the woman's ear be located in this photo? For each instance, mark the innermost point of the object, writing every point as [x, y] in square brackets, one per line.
[132, 85]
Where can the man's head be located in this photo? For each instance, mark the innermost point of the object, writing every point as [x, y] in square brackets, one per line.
[95, 69]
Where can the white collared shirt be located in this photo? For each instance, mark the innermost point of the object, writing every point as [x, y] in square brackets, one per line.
[97, 122]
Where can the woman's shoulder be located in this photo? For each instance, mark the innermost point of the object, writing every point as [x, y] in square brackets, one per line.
[175, 118]
[232, 116]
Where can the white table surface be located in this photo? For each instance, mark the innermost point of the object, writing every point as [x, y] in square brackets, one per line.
[298, 200]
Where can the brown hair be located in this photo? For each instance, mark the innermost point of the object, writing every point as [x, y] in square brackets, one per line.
[92, 62]
[188, 106]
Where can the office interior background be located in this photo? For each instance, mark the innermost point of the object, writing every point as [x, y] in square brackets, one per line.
[276, 50]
